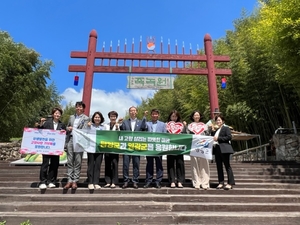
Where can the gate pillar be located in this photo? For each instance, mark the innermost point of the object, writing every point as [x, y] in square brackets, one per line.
[211, 76]
[89, 73]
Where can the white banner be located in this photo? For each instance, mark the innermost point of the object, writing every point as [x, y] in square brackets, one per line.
[84, 140]
[202, 146]
[43, 141]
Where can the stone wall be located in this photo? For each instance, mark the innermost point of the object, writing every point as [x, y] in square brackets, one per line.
[287, 147]
[9, 151]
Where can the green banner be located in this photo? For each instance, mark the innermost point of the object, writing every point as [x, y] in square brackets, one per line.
[143, 143]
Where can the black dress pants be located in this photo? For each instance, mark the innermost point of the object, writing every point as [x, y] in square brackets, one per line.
[223, 158]
[94, 165]
[111, 168]
[49, 168]
[175, 167]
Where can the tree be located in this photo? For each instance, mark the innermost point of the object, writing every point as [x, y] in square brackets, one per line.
[67, 112]
[25, 95]
[263, 92]
[262, 101]
[278, 32]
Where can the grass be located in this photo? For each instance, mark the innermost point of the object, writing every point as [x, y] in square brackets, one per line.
[23, 223]
[15, 139]
[26, 223]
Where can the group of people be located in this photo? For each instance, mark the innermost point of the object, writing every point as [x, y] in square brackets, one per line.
[175, 163]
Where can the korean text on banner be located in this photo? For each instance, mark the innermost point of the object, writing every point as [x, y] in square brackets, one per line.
[43, 141]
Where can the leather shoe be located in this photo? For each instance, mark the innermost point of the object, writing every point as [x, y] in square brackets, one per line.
[158, 186]
[74, 186]
[68, 185]
[147, 185]
[125, 185]
[135, 186]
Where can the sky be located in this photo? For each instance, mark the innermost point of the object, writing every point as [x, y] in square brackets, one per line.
[57, 27]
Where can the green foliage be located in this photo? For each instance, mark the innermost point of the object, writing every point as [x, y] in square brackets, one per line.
[67, 112]
[25, 95]
[23, 223]
[278, 32]
[161, 101]
[263, 92]
[26, 223]
[259, 101]
[189, 93]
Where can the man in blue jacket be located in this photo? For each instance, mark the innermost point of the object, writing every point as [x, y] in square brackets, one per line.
[160, 127]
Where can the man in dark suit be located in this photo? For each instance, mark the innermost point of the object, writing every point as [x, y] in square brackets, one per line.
[160, 127]
[79, 121]
[132, 124]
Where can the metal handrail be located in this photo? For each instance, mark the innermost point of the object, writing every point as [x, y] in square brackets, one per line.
[258, 153]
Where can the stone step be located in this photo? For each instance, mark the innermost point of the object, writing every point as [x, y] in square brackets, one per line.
[146, 206]
[258, 190]
[247, 183]
[243, 171]
[242, 178]
[151, 218]
[196, 197]
[250, 171]
[240, 184]
[265, 193]
[61, 181]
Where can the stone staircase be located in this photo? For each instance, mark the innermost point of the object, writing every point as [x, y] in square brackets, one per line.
[265, 193]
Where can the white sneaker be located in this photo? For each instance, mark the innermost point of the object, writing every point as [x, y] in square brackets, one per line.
[51, 185]
[43, 186]
[97, 186]
[91, 187]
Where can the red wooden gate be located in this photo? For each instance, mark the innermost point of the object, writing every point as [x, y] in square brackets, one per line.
[164, 58]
